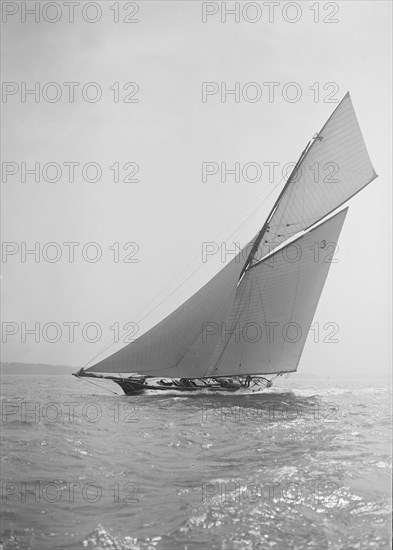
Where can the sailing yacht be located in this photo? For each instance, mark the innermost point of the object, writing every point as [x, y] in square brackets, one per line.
[250, 322]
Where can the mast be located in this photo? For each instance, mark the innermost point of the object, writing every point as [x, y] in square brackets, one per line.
[265, 226]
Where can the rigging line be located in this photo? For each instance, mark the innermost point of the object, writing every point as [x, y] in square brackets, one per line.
[287, 209]
[101, 387]
[292, 196]
[110, 343]
[304, 220]
[298, 175]
[253, 212]
[287, 204]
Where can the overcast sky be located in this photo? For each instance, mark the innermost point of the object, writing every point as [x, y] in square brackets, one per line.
[166, 136]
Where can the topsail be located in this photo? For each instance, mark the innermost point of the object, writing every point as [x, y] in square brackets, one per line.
[334, 166]
[264, 288]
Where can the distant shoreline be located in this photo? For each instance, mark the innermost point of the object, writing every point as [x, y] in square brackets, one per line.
[38, 369]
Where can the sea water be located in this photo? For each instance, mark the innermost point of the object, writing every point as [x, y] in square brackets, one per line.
[304, 465]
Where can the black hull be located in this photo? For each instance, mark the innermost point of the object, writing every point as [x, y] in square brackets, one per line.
[135, 385]
[131, 388]
[135, 388]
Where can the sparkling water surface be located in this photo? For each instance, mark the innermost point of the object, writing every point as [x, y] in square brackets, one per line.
[304, 465]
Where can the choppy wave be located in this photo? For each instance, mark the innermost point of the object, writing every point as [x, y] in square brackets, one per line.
[303, 466]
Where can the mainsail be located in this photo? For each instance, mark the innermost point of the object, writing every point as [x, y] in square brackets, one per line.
[275, 302]
[254, 315]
